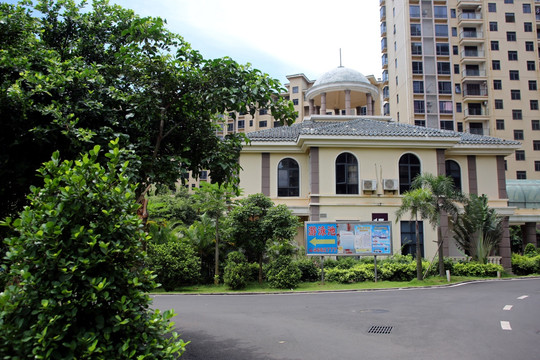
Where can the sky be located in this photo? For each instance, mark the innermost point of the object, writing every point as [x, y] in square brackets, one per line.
[278, 37]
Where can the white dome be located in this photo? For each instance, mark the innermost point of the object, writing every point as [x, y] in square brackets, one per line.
[341, 75]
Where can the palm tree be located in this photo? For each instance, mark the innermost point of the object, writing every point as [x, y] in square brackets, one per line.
[479, 229]
[444, 197]
[417, 202]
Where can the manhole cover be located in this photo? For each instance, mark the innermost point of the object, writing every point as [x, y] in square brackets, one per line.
[377, 329]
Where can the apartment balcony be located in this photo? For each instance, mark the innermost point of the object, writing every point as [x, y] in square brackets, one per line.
[468, 18]
[476, 114]
[474, 94]
[468, 3]
[471, 37]
[473, 56]
[473, 74]
[383, 29]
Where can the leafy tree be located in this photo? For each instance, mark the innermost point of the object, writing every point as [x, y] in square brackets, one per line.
[444, 196]
[73, 76]
[214, 200]
[202, 235]
[77, 282]
[172, 210]
[255, 222]
[417, 202]
[236, 271]
[479, 229]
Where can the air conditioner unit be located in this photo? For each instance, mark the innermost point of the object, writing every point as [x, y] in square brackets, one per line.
[390, 184]
[369, 185]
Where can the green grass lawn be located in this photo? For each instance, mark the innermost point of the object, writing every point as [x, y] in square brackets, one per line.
[327, 286]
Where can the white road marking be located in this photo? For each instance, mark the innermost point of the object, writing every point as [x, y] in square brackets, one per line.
[523, 297]
[505, 325]
[508, 307]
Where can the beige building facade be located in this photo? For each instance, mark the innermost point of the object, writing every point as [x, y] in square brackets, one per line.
[466, 65]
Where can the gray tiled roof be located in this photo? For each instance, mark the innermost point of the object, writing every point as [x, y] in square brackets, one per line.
[363, 127]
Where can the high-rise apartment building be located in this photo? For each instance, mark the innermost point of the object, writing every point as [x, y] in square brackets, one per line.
[466, 65]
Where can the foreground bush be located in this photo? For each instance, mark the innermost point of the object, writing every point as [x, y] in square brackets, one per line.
[174, 263]
[77, 284]
[525, 264]
[309, 268]
[237, 271]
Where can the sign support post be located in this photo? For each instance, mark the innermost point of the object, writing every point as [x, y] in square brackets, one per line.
[322, 270]
[375, 263]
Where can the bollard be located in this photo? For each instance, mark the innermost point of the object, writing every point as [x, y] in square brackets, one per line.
[448, 275]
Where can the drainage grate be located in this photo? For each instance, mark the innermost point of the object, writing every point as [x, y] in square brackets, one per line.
[380, 329]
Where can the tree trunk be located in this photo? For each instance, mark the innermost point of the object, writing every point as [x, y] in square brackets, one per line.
[260, 268]
[216, 256]
[441, 254]
[418, 253]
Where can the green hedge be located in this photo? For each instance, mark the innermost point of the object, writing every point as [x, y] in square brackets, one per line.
[476, 269]
[525, 265]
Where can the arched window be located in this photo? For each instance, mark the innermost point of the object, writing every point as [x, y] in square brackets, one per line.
[346, 174]
[288, 178]
[409, 168]
[453, 171]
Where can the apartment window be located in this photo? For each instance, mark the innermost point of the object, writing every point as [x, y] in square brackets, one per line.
[454, 31]
[493, 26]
[455, 50]
[458, 88]
[441, 30]
[459, 108]
[514, 74]
[277, 124]
[529, 46]
[492, 7]
[346, 174]
[288, 178]
[498, 104]
[535, 124]
[419, 107]
[414, 11]
[443, 49]
[453, 13]
[417, 67]
[510, 17]
[460, 127]
[445, 87]
[295, 101]
[263, 123]
[397, 80]
[526, 8]
[494, 45]
[536, 165]
[447, 125]
[497, 84]
[416, 30]
[532, 85]
[518, 134]
[416, 48]
[517, 114]
[295, 90]
[446, 107]
[520, 155]
[443, 68]
[440, 12]
[409, 168]
[510, 36]
[515, 94]
[496, 64]
[521, 175]
[499, 124]
[533, 104]
[531, 66]
[420, 123]
[508, 1]
[241, 124]
[408, 237]
[250, 122]
[536, 145]
[512, 55]
[263, 111]
[418, 87]
[527, 27]
[230, 127]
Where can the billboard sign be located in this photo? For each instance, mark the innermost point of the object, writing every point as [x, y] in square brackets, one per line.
[348, 238]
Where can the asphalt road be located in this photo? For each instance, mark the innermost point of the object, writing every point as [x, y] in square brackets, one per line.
[483, 320]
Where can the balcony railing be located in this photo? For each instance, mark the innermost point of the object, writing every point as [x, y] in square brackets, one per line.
[470, 16]
[471, 72]
[476, 112]
[471, 35]
[475, 92]
[473, 53]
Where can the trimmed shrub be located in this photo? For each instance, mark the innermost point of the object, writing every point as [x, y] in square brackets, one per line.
[309, 268]
[237, 271]
[358, 273]
[477, 269]
[398, 271]
[525, 265]
[174, 263]
[283, 273]
[530, 250]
